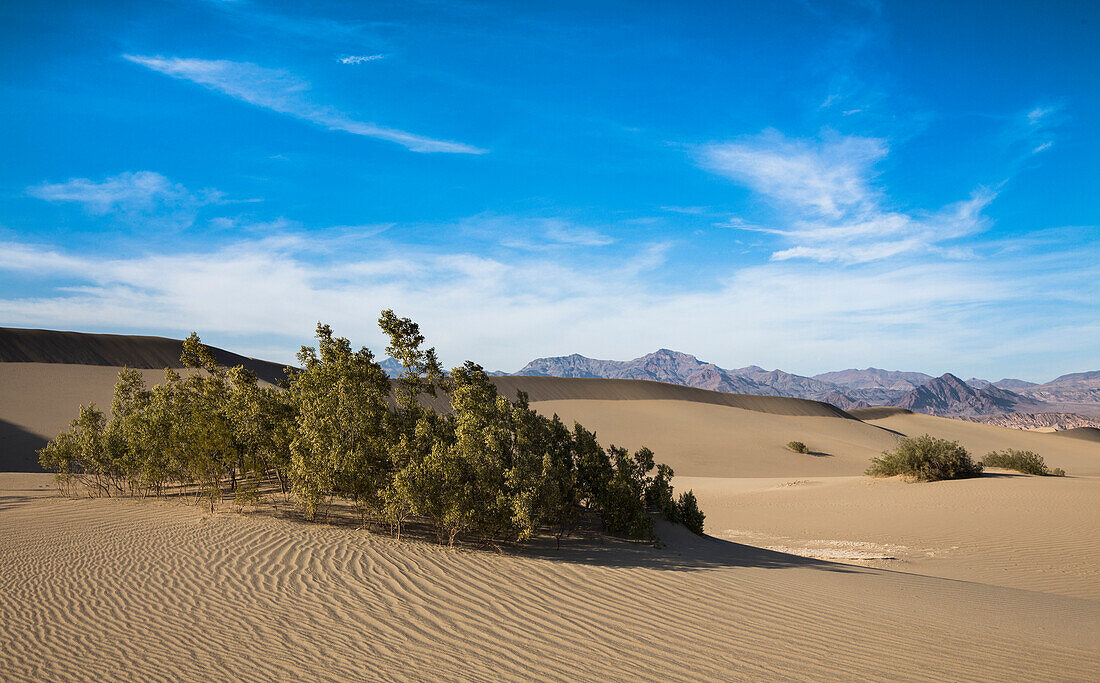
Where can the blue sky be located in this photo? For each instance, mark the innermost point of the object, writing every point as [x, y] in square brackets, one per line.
[804, 185]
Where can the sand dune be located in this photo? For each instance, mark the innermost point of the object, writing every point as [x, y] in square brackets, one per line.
[1033, 533]
[109, 589]
[568, 388]
[115, 350]
[1083, 433]
[723, 441]
[987, 579]
[707, 440]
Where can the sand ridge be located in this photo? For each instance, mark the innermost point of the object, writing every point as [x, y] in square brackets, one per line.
[19, 345]
[161, 591]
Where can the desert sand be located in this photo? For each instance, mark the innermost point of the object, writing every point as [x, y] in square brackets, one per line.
[152, 590]
[812, 571]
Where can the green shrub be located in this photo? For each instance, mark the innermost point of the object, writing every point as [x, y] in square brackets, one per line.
[1028, 462]
[797, 447]
[1057, 472]
[687, 510]
[925, 458]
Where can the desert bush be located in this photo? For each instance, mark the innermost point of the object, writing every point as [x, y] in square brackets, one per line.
[1028, 462]
[338, 429]
[926, 458]
[797, 447]
[1057, 472]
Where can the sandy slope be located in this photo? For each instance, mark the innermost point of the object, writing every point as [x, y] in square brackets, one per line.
[705, 440]
[1035, 533]
[724, 441]
[38, 400]
[125, 589]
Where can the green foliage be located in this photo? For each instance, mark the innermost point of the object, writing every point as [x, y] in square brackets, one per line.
[622, 505]
[1028, 462]
[1057, 472]
[689, 514]
[658, 494]
[925, 458]
[340, 429]
[797, 447]
[341, 444]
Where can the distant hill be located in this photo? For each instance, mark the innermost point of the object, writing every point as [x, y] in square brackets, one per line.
[847, 389]
[1014, 384]
[1077, 387]
[874, 378]
[948, 395]
[1051, 421]
[663, 365]
[140, 352]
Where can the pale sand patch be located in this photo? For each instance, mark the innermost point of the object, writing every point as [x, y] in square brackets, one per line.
[125, 589]
[1033, 533]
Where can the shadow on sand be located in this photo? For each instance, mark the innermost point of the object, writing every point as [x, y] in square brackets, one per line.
[681, 551]
[18, 449]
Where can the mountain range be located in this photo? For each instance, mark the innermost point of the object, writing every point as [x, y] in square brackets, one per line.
[946, 395]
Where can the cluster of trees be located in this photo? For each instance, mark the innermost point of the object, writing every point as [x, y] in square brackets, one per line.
[340, 429]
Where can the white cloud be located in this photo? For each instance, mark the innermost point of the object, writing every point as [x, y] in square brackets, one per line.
[829, 205]
[505, 311]
[830, 177]
[1036, 115]
[143, 196]
[532, 233]
[142, 190]
[359, 59]
[284, 93]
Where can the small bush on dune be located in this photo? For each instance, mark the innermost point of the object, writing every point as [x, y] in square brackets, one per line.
[798, 447]
[1057, 472]
[926, 458]
[1028, 462]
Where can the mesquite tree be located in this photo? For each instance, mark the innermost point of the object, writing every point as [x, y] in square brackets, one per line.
[481, 467]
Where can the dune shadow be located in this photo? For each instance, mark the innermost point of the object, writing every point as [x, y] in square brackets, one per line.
[886, 429]
[18, 448]
[683, 551]
[819, 454]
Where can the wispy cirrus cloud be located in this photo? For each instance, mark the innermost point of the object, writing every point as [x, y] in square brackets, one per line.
[533, 233]
[1035, 129]
[829, 177]
[144, 196]
[126, 191]
[359, 59]
[282, 92]
[583, 237]
[829, 204]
